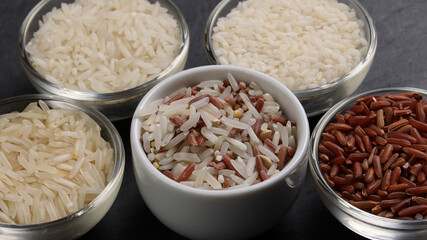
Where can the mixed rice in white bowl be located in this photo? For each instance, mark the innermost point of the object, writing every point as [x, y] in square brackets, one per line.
[221, 160]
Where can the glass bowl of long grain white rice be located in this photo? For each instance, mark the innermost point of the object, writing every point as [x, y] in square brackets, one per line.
[219, 152]
[61, 167]
[106, 54]
[321, 50]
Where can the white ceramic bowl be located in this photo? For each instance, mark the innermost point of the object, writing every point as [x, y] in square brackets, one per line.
[222, 214]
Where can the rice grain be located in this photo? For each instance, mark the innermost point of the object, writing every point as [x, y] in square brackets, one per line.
[206, 132]
[302, 43]
[45, 165]
[104, 46]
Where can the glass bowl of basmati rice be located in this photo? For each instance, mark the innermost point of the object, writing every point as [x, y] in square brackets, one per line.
[321, 50]
[189, 185]
[390, 210]
[106, 54]
[62, 165]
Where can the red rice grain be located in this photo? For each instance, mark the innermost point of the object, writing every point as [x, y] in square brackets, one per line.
[218, 134]
[381, 142]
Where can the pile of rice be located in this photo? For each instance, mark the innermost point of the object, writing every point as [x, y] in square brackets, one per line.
[303, 43]
[219, 134]
[104, 46]
[53, 162]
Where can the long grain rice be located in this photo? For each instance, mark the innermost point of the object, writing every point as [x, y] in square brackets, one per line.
[104, 46]
[220, 141]
[46, 170]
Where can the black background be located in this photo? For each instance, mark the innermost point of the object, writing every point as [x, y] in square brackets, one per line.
[401, 60]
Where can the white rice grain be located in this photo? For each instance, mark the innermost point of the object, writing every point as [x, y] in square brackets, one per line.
[251, 179]
[212, 181]
[250, 106]
[237, 143]
[212, 136]
[240, 168]
[184, 156]
[267, 152]
[41, 162]
[191, 122]
[250, 166]
[234, 123]
[233, 82]
[86, 46]
[303, 44]
[209, 134]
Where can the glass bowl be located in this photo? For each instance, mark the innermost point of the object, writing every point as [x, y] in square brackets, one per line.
[363, 223]
[116, 105]
[80, 222]
[242, 212]
[315, 100]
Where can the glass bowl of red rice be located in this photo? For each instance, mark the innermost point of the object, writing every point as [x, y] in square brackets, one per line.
[375, 185]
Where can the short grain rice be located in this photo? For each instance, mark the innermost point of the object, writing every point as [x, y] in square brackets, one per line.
[303, 43]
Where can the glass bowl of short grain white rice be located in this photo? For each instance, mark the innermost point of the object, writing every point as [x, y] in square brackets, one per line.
[226, 157]
[42, 194]
[106, 54]
[316, 48]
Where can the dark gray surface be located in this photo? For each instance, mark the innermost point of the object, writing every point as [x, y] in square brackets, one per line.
[401, 60]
